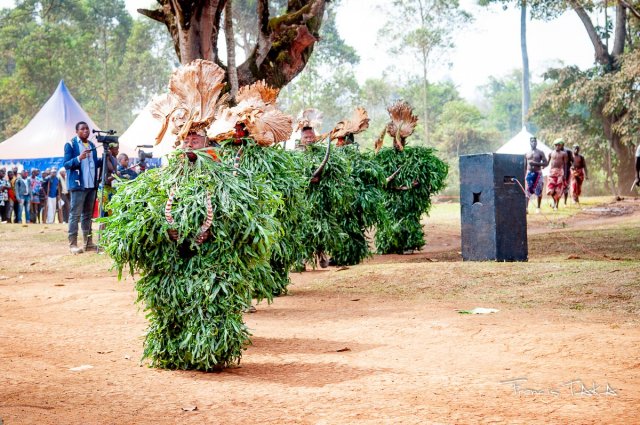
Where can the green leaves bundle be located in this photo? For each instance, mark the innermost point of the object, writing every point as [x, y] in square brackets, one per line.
[408, 196]
[285, 174]
[367, 179]
[330, 200]
[194, 294]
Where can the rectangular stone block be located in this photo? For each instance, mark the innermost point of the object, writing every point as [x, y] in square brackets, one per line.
[493, 208]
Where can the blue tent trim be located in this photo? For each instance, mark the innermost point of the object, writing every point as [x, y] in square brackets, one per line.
[44, 163]
[28, 164]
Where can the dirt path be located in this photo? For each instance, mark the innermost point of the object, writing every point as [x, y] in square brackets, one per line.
[319, 356]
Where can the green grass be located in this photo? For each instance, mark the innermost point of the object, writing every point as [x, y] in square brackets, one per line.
[575, 269]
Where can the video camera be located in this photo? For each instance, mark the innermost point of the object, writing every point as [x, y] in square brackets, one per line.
[106, 137]
[143, 156]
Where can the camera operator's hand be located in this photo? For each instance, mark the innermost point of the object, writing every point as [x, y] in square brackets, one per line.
[173, 234]
[84, 154]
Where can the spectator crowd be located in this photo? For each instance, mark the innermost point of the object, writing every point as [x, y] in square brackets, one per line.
[43, 196]
[33, 197]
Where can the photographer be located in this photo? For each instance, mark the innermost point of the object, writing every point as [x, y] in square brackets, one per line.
[82, 162]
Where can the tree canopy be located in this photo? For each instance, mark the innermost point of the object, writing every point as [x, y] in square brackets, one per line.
[111, 63]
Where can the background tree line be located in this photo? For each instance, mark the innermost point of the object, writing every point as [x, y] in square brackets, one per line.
[114, 64]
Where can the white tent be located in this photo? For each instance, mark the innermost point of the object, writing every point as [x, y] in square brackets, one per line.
[41, 143]
[142, 133]
[519, 145]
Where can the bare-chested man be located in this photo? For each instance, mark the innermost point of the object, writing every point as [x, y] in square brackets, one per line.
[536, 161]
[567, 172]
[556, 180]
[579, 174]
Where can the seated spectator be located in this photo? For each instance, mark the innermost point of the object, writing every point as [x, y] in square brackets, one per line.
[124, 172]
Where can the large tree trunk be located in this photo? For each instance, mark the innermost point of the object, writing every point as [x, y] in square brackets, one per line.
[425, 99]
[526, 86]
[284, 45]
[625, 154]
[625, 168]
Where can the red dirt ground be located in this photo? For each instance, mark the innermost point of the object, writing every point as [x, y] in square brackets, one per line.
[319, 356]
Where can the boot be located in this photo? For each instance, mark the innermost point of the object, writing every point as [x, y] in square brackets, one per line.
[73, 245]
[88, 244]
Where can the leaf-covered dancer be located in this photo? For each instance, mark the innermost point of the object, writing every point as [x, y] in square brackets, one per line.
[414, 173]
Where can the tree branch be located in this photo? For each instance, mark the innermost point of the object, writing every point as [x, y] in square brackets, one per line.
[284, 42]
[601, 54]
[631, 8]
[156, 15]
[264, 32]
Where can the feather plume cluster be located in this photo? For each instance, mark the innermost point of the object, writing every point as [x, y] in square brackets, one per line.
[402, 123]
[358, 122]
[310, 117]
[257, 111]
[192, 100]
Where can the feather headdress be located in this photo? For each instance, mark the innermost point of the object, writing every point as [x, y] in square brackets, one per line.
[358, 122]
[310, 117]
[257, 112]
[259, 90]
[402, 123]
[192, 101]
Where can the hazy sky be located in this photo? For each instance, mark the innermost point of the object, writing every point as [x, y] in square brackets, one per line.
[489, 46]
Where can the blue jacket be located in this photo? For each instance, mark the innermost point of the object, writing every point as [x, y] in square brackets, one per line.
[72, 164]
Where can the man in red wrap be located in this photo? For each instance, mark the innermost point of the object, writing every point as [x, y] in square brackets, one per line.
[579, 173]
[556, 180]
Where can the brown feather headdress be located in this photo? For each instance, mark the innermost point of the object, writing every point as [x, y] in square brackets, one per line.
[358, 122]
[402, 123]
[192, 100]
[310, 117]
[257, 112]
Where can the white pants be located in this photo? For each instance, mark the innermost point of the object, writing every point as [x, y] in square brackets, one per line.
[51, 209]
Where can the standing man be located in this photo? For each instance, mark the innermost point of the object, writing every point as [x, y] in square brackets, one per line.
[556, 180]
[53, 194]
[81, 160]
[23, 196]
[567, 173]
[44, 177]
[579, 174]
[536, 161]
[63, 211]
[35, 184]
[5, 208]
[13, 202]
